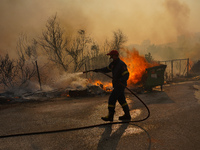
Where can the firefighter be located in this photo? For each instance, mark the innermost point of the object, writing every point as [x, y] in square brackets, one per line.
[120, 76]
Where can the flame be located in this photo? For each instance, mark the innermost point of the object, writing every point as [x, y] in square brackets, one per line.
[137, 66]
[106, 86]
[64, 94]
[190, 64]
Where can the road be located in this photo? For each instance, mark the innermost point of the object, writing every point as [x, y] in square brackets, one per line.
[173, 124]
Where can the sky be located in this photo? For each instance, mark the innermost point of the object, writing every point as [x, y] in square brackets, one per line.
[159, 21]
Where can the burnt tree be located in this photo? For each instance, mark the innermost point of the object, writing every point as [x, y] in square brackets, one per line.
[118, 40]
[77, 50]
[27, 54]
[8, 71]
[54, 43]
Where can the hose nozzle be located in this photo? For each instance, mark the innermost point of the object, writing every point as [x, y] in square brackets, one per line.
[87, 71]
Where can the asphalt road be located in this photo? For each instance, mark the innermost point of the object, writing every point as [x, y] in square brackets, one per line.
[173, 124]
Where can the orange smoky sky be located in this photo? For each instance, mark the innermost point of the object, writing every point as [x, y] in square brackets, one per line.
[160, 21]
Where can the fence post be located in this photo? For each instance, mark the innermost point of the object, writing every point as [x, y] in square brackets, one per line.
[172, 69]
[188, 63]
[180, 68]
[86, 69]
[38, 74]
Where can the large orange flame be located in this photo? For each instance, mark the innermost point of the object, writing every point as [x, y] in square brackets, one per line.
[137, 66]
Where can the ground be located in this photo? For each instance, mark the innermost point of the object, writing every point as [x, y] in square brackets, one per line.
[173, 123]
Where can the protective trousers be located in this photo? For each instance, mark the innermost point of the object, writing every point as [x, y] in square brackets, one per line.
[118, 94]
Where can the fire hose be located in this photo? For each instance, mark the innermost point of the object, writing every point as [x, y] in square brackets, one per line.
[85, 127]
[148, 115]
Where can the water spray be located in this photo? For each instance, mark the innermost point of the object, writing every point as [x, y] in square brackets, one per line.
[78, 73]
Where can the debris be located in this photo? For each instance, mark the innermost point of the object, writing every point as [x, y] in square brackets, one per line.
[78, 93]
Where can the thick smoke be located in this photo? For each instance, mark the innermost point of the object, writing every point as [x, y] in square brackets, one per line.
[71, 81]
[160, 21]
[30, 17]
[179, 15]
[66, 81]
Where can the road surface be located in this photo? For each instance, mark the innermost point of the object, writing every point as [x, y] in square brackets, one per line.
[173, 124]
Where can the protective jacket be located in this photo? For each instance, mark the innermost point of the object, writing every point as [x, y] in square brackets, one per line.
[119, 72]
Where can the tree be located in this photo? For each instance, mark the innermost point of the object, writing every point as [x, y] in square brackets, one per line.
[27, 49]
[25, 63]
[106, 46]
[16, 73]
[54, 43]
[119, 40]
[7, 71]
[77, 48]
[148, 57]
[95, 50]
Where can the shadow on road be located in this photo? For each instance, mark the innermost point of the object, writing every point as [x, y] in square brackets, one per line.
[110, 140]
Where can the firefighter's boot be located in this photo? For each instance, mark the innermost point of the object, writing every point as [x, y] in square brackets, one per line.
[109, 117]
[126, 115]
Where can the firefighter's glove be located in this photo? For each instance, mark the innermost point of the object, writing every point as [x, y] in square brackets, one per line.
[96, 70]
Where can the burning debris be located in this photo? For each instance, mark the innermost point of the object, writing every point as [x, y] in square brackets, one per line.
[72, 90]
[106, 86]
[137, 66]
[91, 90]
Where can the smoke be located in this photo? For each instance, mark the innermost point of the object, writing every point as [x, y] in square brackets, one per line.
[66, 81]
[160, 21]
[71, 81]
[30, 17]
[179, 15]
